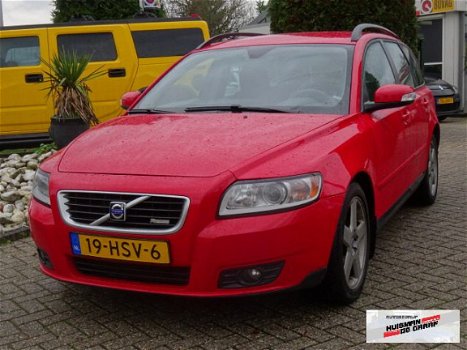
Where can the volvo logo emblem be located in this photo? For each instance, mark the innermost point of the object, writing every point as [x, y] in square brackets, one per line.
[117, 211]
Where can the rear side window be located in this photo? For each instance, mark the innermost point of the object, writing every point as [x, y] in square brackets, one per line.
[165, 43]
[99, 46]
[17, 52]
[414, 66]
[377, 71]
[401, 64]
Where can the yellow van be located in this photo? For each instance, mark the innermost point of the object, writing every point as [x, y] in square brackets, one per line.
[133, 53]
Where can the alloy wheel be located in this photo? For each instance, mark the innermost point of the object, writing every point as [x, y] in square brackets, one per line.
[355, 242]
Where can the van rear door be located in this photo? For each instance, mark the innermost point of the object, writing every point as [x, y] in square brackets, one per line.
[110, 49]
[24, 108]
[160, 44]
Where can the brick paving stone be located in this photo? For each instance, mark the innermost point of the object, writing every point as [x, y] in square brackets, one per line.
[265, 342]
[6, 342]
[420, 262]
[300, 343]
[125, 341]
[278, 331]
[250, 332]
[32, 341]
[157, 341]
[32, 317]
[333, 344]
[7, 328]
[226, 343]
[314, 333]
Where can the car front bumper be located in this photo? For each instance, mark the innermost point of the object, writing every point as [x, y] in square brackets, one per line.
[449, 108]
[298, 242]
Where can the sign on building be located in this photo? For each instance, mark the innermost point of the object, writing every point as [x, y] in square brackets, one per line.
[428, 7]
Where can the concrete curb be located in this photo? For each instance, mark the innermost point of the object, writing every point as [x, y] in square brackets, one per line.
[14, 234]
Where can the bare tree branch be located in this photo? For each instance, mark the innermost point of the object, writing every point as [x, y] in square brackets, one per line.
[221, 15]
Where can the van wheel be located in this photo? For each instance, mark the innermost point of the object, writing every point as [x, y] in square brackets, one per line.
[428, 189]
[348, 264]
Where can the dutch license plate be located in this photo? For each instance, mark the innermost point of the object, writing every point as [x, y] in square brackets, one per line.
[445, 100]
[120, 248]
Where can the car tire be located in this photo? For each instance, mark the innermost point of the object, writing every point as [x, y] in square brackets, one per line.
[440, 119]
[348, 263]
[428, 189]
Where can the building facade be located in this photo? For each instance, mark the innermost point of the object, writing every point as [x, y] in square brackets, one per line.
[443, 41]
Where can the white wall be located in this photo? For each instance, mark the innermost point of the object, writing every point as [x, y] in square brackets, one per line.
[263, 28]
[451, 44]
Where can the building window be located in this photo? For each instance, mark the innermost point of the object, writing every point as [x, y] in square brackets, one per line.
[432, 48]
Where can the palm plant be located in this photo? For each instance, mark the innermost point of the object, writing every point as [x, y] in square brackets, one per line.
[69, 88]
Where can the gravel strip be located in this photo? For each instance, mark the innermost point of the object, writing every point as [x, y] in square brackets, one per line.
[16, 177]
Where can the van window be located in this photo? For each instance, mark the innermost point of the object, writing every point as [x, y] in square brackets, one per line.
[22, 51]
[100, 46]
[166, 43]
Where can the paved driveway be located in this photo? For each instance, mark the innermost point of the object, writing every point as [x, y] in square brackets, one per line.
[420, 263]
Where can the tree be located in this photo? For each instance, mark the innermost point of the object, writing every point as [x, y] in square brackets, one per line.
[67, 10]
[319, 15]
[261, 6]
[222, 16]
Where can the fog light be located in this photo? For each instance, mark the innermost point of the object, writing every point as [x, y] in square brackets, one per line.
[250, 276]
[44, 258]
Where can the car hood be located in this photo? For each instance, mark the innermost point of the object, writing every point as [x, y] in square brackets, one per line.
[197, 145]
[439, 85]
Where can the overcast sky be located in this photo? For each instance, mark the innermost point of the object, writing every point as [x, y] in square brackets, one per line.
[16, 12]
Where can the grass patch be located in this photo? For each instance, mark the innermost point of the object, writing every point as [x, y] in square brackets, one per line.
[43, 148]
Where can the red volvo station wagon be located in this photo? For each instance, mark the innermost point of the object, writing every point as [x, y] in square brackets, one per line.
[255, 164]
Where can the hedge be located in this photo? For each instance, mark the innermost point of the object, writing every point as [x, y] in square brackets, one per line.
[67, 10]
[323, 15]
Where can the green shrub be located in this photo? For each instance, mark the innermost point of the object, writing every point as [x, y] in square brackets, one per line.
[319, 15]
[45, 148]
[67, 10]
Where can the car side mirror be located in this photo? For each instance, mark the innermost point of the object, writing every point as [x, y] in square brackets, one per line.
[129, 98]
[391, 96]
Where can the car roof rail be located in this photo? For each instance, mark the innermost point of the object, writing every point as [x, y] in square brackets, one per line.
[357, 33]
[224, 37]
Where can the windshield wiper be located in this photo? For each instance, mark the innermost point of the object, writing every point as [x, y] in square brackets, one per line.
[148, 111]
[234, 109]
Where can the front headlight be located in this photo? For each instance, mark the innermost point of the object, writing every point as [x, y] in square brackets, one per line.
[40, 187]
[246, 197]
[456, 90]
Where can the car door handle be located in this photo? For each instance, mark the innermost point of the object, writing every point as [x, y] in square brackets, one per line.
[34, 78]
[117, 72]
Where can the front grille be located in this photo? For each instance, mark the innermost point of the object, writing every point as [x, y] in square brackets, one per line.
[152, 213]
[149, 273]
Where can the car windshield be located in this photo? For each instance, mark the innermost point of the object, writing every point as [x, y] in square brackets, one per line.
[286, 78]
